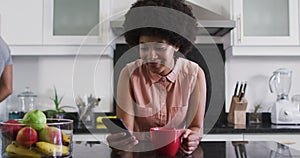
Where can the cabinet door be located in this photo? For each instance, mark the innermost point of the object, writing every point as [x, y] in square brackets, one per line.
[75, 21]
[21, 21]
[266, 22]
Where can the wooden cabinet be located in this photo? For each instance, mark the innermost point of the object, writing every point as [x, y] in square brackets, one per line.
[21, 22]
[266, 22]
[56, 27]
[70, 22]
[265, 27]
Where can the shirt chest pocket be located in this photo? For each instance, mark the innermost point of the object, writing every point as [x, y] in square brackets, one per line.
[178, 113]
[145, 118]
[144, 111]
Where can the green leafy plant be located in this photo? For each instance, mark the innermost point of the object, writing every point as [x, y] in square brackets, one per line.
[256, 108]
[58, 108]
[255, 115]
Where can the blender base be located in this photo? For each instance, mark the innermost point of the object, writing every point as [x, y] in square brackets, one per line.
[285, 113]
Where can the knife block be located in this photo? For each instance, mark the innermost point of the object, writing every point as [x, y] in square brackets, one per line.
[237, 111]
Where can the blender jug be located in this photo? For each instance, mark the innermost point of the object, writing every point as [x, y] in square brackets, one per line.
[280, 83]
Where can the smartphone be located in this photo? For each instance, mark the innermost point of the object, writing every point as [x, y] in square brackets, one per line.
[115, 125]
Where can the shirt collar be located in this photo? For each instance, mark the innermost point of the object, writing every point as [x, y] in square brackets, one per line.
[154, 77]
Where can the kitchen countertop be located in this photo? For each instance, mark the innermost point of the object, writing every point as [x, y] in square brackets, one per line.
[254, 128]
[222, 127]
[218, 149]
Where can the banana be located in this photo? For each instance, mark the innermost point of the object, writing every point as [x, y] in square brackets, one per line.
[52, 149]
[16, 150]
[66, 139]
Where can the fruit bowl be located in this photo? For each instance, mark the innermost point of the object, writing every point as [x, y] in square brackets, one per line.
[53, 138]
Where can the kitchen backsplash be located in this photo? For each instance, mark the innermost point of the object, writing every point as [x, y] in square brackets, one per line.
[72, 77]
[257, 71]
[91, 75]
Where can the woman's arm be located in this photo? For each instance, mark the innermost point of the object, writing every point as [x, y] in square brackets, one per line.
[124, 111]
[198, 104]
[195, 116]
[124, 107]
[6, 82]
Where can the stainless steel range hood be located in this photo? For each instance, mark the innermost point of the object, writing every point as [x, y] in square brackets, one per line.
[213, 23]
[209, 23]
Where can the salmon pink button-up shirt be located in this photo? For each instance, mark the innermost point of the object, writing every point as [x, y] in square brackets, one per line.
[161, 100]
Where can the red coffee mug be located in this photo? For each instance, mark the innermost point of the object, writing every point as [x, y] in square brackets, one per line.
[166, 141]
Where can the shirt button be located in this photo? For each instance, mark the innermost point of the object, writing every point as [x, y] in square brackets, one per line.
[163, 79]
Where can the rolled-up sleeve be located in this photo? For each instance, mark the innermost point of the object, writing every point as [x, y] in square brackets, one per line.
[5, 55]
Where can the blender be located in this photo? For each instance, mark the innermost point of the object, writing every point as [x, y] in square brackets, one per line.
[283, 110]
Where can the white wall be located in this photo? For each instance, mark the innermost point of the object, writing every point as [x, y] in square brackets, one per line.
[80, 76]
[256, 71]
[89, 76]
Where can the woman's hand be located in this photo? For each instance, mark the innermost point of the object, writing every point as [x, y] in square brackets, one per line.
[121, 154]
[190, 141]
[120, 141]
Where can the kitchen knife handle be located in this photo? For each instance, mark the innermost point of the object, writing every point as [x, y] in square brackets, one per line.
[241, 89]
[245, 86]
[236, 88]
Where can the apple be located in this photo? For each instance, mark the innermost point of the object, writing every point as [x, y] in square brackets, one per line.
[51, 135]
[10, 129]
[27, 136]
[35, 119]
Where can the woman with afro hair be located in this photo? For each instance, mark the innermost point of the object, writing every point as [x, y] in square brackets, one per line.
[162, 88]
